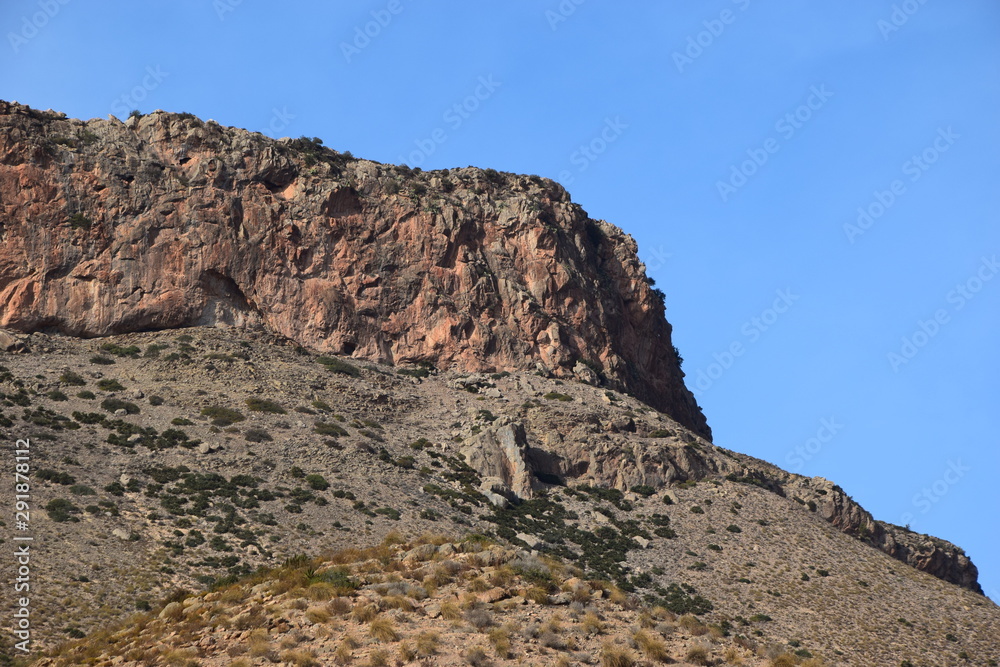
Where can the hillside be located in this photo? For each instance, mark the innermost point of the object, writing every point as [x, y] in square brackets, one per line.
[279, 404]
[178, 460]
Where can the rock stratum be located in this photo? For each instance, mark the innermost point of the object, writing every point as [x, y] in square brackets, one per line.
[166, 221]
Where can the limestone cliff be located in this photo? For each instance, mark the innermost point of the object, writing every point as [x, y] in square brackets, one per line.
[167, 221]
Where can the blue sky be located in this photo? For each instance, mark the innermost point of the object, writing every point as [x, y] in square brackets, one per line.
[813, 185]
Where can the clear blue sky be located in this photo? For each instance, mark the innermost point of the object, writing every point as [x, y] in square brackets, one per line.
[735, 139]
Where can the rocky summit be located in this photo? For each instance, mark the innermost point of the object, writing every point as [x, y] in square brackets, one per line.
[166, 221]
[288, 406]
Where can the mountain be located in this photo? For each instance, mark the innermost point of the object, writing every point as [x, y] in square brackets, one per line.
[233, 356]
[166, 221]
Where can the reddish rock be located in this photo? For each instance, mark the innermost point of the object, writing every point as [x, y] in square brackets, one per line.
[166, 221]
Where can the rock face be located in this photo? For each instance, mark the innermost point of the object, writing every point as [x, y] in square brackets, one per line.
[166, 221]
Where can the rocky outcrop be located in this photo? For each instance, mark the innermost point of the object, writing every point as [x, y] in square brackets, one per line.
[166, 221]
[499, 454]
[928, 554]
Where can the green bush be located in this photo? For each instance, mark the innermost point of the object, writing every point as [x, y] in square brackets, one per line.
[733, 528]
[257, 435]
[112, 404]
[86, 395]
[101, 360]
[221, 416]
[61, 510]
[181, 421]
[643, 490]
[326, 428]
[108, 384]
[556, 396]
[73, 379]
[317, 482]
[82, 490]
[695, 509]
[55, 477]
[156, 400]
[56, 395]
[338, 366]
[264, 405]
[660, 433]
[119, 351]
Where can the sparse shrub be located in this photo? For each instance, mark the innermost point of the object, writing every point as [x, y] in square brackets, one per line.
[338, 366]
[155, 400]
[257, 435]
[332, 430]
[221, 416]
[61, 510]
[643, 490]
[108, 384]
[480, 619]
[112, 404]
[654, 649]
[86, 395]
[557, 396]
[381, 629]
[695, 509]
[733, 528]
[698, 655]
[317, 482]
[72, 379]
[613, 656]
[477, 657]
[660, 433]
[264, 405]
[427, 643]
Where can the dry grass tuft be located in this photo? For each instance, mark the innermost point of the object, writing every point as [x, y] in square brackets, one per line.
[613, 656]
[654, 649]
[383, 630]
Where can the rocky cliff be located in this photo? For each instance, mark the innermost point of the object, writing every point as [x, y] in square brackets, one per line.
[165, 221]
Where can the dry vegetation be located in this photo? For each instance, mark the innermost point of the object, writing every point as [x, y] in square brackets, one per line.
[169, 463]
